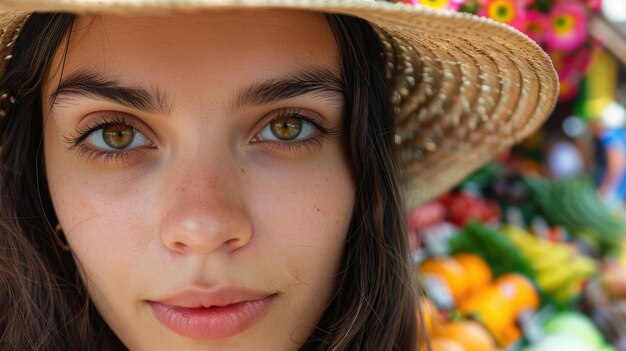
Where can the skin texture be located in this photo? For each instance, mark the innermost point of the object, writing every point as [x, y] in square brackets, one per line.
[209, 200]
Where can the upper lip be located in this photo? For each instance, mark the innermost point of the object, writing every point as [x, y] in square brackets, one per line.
[195, 297]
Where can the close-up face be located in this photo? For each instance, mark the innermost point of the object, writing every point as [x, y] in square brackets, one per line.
[198, 167]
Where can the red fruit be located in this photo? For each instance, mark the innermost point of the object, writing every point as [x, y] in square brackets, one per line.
[426, 215]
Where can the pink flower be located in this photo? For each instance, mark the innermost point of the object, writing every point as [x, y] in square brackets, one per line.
[594, 5]
[535, 26]
[438, 4]
[567, 27]
[571, 66]
[511, 12]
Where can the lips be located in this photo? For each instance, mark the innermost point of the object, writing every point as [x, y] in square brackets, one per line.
[212, 314]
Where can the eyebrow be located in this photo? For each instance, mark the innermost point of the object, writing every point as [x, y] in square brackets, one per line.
[95, 85]
[320, 81]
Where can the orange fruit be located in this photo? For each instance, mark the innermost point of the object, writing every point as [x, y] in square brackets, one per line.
[493, 308]
[477, 272]
[520, 290]
[510, 335]
[441, 344]
[469, 334]
[449, 271]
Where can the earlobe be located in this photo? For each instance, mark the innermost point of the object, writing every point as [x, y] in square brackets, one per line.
[59, 238]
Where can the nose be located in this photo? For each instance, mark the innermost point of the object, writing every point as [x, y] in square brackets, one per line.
[204, 218]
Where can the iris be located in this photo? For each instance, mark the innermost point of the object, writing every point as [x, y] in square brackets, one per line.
[118, 136]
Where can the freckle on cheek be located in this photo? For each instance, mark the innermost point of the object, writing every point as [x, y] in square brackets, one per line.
[319, 210]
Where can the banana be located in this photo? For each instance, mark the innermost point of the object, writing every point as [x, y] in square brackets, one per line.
[551, 281]
[583, 266]
[550, 252]
[539, 252]
[568, 292]
[557, 278]
[556, 260]
[558, 267]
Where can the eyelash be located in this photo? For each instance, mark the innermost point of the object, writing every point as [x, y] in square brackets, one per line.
[76, 141]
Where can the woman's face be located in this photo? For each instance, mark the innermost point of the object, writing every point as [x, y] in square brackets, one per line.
[198, 168]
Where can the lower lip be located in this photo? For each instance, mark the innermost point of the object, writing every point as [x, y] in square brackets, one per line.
[214, 322]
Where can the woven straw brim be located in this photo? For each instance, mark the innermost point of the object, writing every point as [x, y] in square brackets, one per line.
[464, 88]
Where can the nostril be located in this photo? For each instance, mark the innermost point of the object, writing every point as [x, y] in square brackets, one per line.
[178, 247]
[234, 242]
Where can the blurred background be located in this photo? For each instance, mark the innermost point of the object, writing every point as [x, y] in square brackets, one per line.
[528, 253]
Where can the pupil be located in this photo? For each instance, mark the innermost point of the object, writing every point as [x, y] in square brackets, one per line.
[118, 136]
[286, 128]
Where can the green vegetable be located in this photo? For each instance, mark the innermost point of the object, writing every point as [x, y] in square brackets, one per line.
[577, 326]
[573, 204]
[559, 343]
[494, 247]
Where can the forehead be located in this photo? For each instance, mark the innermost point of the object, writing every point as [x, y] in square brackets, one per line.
[229, 48]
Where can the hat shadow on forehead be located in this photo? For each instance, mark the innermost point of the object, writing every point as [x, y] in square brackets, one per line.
[463, 88]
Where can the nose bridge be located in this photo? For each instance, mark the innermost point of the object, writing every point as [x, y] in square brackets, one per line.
[204, 167]
[201, 176]
[205, 211]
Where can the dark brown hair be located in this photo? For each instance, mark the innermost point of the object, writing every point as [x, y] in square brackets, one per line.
[45, 305]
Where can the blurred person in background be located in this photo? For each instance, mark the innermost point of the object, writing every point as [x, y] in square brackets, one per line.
[611, 161]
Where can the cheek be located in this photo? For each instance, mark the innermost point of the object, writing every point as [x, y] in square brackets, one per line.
[97, 213]
[303, 219]
[99, 228]
[310, 208]
[302, 222]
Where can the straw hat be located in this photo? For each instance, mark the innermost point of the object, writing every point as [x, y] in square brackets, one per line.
[463, 88]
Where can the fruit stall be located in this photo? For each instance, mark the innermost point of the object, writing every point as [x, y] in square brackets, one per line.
[521, 263]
